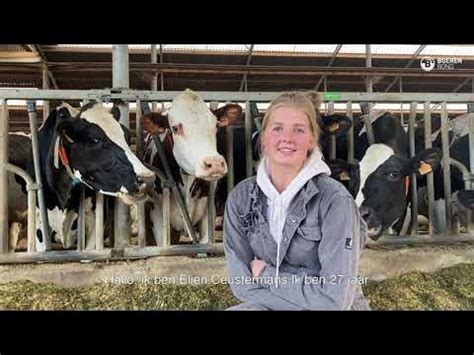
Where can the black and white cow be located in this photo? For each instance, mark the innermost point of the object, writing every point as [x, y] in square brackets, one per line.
[86, 147]
[189, 140]
[458, 136]
[384, 172]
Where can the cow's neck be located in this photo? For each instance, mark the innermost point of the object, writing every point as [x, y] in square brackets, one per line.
[57, 183]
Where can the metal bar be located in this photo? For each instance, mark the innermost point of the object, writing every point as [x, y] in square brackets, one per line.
[99, 221]
[466, 175]
[37, 49]
[429, 176]
[154, 78]
[248, 140]
[413, 58]
[369, 89]
[140, 206]
[211, 212]
[139, 129]
[129, 95]
[332, 137]
[166, 213]
[247, 63]
[368, 64]
[423, 240]
[296, 70]
[109, 254]
[31, 187]
[454, 91]
[229, 136]
[176, 191]
[401, 103]
[45, 87]
[471, 144]
[4, 232]
[31, 106]
[162, 78]
[414, 195]
[446, 166]
[470, 214]
[81, 225]
[31, 228]
[368, 128]
[331, 61]
[350, 133]
[120, 79]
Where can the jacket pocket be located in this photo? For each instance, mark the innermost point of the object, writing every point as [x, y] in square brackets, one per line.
[310, 233]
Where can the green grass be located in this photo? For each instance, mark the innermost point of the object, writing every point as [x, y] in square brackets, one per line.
[450, 288]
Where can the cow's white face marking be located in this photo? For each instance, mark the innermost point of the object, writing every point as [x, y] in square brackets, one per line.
[198, 138]
[375, 156]
[102, 117]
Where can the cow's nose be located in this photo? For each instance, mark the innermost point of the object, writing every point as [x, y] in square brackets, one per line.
[214, 165]
[146, 183]
[365, 212]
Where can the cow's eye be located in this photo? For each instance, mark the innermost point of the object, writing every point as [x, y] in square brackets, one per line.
[95, 141]
[177, 129]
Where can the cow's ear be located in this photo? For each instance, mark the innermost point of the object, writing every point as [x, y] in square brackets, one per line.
[62, 113]
[342, 170]
[126, 134]
[115, 111]
[336, 124]
[425, 161]
[145, 108]
[68, 130]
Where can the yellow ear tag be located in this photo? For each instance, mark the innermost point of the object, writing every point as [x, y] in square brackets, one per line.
[344, 176]
[425, 168]
[334, 127]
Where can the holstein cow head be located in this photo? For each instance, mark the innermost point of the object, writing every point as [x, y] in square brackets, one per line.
[384, 181]
[85, 147]
[193, 127]
[94, 143]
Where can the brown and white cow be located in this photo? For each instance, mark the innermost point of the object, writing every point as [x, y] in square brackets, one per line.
[189, 139]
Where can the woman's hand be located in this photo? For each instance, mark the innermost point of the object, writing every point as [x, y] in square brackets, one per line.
[257, 267]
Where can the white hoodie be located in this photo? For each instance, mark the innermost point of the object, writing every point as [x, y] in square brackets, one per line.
[277, 204]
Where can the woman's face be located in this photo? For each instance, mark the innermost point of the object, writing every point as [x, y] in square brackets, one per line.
[287, 137]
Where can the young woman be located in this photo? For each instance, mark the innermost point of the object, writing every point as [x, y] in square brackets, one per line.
[293, 236]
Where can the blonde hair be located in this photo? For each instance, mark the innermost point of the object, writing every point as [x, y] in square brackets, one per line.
[308, 102]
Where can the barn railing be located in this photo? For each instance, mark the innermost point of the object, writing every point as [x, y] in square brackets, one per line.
[129, 96]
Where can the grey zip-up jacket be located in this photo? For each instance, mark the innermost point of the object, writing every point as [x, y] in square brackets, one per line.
[322, 240]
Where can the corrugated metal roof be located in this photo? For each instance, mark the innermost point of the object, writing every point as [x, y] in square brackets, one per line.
[355, 49]
[448, 50]
[11, 48]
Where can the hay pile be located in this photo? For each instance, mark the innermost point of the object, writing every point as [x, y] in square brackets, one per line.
[450, 288]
